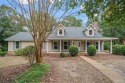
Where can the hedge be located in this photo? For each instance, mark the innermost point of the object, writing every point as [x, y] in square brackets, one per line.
[118, 49]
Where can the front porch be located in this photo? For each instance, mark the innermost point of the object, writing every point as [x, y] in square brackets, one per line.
[62, 45]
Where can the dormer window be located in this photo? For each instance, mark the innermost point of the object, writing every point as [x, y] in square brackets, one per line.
[90, 32]
[60, 32]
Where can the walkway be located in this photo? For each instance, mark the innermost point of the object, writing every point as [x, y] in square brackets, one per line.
[112, 75]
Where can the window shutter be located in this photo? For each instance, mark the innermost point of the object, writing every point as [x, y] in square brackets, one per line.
[52, 45]
[14, 45]
[58, 45]
[20, 44]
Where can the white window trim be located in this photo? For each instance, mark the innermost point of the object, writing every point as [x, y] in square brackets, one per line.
[55, 45]
[62, 32]
[65, 45]
[89, 33]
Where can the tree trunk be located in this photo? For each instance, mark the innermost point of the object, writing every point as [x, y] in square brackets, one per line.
[38, 53]
[38, 59]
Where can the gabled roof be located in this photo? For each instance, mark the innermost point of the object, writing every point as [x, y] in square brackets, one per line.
[70, 33]
[74, 32]
[89, 26]
[21, 36]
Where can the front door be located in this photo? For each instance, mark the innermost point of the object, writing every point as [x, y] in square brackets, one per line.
[78, 44]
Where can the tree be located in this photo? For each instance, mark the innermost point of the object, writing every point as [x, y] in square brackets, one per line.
[9, 23]
[40, 25]
[71, 21]
[110, 14]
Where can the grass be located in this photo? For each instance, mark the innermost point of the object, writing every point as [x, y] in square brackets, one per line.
[34, 74]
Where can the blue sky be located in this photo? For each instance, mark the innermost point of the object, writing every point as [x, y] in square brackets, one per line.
[83, 16]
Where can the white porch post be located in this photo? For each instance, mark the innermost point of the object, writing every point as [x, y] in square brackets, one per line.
[47, 47]
[102, 45]
[110, 46]
[86, 46]
[60, 46]
[99, 46]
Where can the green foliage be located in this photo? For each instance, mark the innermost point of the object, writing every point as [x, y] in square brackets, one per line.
[91, 50]
[73, 50]
[24, 51]
[110, 15]
[2, 53]
[3, 49]
[71, 21]
[62, 54]
[19, 51]
[10, 23]
[29, 50]
[116, 49]
[34, 74]
[123, 49]
[106, 46]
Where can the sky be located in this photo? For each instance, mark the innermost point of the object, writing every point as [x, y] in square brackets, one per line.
[83, 16]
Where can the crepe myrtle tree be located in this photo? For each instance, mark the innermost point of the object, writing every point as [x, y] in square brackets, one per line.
[38, 16]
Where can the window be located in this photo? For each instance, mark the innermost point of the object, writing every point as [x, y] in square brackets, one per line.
[88, 43]
[65, 45]
[96, 45]
[17, 44]
[90, 32]
[55, 45]
[60, 32]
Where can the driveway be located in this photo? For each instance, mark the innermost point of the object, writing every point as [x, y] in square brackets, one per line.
[116, 62]
[72, 70]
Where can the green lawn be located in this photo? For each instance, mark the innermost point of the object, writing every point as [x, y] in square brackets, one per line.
[34, 74]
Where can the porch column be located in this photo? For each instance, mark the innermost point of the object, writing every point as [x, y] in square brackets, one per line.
[86, 46]
[47, 47]
[60, 46]
[102, 45]
[110, 46]
[99, 46]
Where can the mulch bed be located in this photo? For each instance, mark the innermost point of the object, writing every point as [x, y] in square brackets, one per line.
[7, 75]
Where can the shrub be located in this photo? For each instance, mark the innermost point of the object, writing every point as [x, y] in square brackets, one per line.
[29, 49]
[30, 52]
[2, 53]
[91, 50]
[73, 50]
[123, 49]
[18, 51]
[62, 54]
[116, 49]
[3, 49]
[106, 46]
